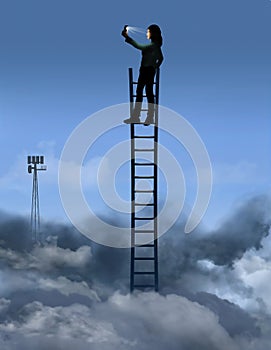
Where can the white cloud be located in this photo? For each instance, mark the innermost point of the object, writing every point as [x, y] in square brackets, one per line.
[29, 271]
[47, 258]
[14, 281]
[145, 321]
[182, 323]
[255, 272]
[64, 324]
[67, 287]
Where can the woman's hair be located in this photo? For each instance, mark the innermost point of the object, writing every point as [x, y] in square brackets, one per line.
[156, 34]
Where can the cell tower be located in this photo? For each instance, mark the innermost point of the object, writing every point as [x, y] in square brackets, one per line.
[35, 164]
[144, 196]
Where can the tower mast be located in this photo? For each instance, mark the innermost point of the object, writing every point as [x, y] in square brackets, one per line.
[35, 164]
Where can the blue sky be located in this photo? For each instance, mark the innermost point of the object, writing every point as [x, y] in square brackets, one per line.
[62, 61]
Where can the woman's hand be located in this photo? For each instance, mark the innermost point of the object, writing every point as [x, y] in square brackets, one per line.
[124, 33]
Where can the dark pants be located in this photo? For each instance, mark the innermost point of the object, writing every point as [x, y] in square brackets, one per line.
[145, 79]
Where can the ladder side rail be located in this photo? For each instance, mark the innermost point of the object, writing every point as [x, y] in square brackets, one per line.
[132, 132]
[157, 79]
[155, 209]
[131, 90]
[156, 282]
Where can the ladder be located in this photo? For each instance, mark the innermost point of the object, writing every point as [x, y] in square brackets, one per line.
[144, 160]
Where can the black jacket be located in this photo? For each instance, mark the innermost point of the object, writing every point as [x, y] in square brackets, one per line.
[151, 53]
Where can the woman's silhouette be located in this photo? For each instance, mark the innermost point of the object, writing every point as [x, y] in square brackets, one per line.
[152, 58]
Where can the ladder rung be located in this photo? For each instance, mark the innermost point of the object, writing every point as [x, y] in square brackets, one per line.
[145, 246]
[144, 149]
[142, 95]
[151, 218]
[144, 204]
[144, 109]
[144, 273]
[144, 177]
[135, 82]
[144, 191]
[144, 258]
[144, 286]
[144, 137]
[144, 231]
[144, 164]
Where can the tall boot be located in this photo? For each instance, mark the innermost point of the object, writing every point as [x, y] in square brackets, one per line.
[150, 115]
[135, 113]
[137, 110]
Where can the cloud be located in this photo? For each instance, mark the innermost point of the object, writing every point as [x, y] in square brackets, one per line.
[123, 322]
[55, 257]
[46, 258]
[60, 327]
[242, 231]
[254, 271]
[213, 262]
[144, 320]
[12, 227]
[164, 315]
[67, 287]
[234, 319]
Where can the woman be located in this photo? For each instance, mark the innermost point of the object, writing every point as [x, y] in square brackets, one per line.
[152, 58]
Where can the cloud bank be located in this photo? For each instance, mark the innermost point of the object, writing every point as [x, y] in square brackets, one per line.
[72, 292]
